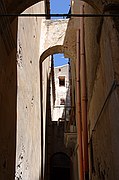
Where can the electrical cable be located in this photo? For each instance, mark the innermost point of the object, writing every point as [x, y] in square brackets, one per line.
[60, 15]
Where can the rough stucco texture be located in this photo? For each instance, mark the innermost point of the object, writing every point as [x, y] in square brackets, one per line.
[28, 156]
[100, 59]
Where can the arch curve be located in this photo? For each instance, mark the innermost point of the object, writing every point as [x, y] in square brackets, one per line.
[52, 50]
[99, 6]
[20, 5]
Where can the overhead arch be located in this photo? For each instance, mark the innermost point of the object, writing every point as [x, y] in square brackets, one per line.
[19, 6]
[100, 5]
[93, 4]
[53, 38]
[52, 50]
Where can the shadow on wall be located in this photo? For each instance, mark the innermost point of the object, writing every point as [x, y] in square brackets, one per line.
[8, 96]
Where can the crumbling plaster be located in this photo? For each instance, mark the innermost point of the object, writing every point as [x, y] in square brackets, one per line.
[101, 49]
[57, 39]
[28, 149]
[54, 33]
[44, 38]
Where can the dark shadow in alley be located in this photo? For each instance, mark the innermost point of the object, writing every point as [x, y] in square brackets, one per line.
[60, 167]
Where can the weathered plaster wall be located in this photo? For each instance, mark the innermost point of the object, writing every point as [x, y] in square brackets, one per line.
[54, 33]
[35, 36]
[101, 52]
[101, 61]
[51, 41]
[92, 48]
[28, 155]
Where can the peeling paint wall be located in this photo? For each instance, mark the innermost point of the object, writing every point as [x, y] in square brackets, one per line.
[28, 152]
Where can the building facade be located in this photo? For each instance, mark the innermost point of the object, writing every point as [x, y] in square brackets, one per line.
[62, 89]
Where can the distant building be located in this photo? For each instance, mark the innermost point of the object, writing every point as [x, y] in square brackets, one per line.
[61, 107]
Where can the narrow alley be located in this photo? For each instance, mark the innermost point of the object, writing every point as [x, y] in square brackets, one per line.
[59, 122]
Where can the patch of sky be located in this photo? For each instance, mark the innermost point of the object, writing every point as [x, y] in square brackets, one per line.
[59, 60]
[59, 7]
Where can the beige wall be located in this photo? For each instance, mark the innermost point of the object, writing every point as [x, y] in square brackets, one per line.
[35, 36]
[28, 155]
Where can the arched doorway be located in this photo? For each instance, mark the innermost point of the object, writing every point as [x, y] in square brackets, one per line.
[60, 167]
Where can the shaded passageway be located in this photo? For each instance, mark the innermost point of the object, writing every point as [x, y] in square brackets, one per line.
[60, 167]
[84, 145]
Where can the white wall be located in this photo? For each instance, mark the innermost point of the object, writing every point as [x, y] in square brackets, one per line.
[61, 91]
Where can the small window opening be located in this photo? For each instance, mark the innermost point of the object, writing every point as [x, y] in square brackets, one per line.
[62, 81]
[62, 101]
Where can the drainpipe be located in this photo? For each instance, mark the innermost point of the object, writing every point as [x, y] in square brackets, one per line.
[83, 95]
[41, 104]
[78, 110]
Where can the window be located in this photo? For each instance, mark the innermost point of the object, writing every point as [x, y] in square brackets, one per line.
[62, 101]
[61, 80]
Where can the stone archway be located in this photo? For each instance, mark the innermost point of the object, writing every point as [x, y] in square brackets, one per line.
[53, 50]
[19, 6]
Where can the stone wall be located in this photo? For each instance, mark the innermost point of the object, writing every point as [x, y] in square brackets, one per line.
[101, 75]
